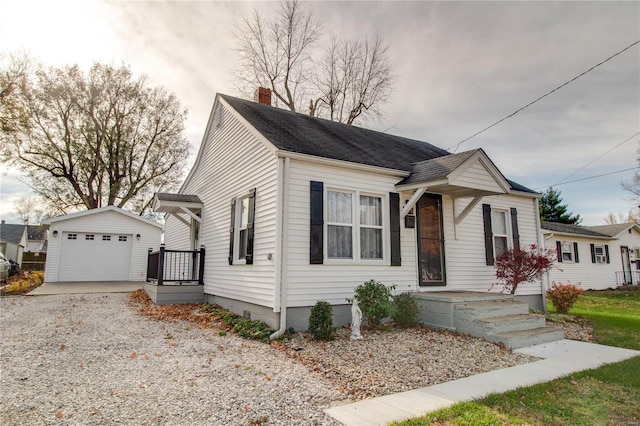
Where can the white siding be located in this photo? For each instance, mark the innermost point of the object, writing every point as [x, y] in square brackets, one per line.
[106, 222]
[177, 233]
[476, 176]
[232, 162]
[595, 276]
[334, 282]
[465, 256]
[587, 275]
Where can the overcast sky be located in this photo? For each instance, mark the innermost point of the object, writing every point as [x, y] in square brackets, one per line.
[461, 66]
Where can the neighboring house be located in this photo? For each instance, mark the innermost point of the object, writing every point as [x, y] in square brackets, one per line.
[104, 244]
[294, 209]
[596, 257]
[627, 237]
[13, 241]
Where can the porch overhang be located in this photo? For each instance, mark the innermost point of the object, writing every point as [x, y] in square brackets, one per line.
[469, 174]
[177, 204]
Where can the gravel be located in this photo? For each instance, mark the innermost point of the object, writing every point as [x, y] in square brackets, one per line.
[92, 359]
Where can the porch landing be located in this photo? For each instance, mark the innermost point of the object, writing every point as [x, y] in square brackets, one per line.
[494, 317]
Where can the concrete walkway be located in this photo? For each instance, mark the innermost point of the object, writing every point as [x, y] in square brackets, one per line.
[560, 359]
[86, 287]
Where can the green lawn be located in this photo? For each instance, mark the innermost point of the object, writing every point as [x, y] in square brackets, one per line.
[609, 395]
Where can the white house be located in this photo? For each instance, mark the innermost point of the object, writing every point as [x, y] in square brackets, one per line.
[294, 209]
[13, 241]
[595, 257]
[104, 244]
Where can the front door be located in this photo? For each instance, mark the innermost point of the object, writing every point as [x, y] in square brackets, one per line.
[430, 241]
[626, 264]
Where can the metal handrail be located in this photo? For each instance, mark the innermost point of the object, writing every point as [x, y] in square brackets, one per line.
[175, 265]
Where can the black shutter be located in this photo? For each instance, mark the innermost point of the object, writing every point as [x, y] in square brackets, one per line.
[316, 237]
[250, 226]
[488, 234]
[559, 250]
[606, 252]
[593, 253]
[232, 229]
[575, 253]
[514, 228]
[394, 219]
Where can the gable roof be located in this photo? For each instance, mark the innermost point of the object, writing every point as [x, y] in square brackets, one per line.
[11, 233]
[36, 232]
[565, 228]
[302, 134]
[53, 220]
[615, 229]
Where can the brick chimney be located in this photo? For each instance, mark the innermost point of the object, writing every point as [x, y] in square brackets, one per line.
[262, 96]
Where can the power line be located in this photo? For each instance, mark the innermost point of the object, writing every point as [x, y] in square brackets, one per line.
[588, 164]
[543, 96]
[590, 177]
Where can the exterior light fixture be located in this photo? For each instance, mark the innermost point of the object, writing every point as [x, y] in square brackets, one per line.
[138, 237]
[55, 234]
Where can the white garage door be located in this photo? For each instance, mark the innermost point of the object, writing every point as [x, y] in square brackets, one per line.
[95, 257]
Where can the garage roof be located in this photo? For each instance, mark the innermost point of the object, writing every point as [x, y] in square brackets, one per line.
[100, 210]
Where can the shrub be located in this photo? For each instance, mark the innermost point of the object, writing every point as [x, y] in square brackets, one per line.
[23, 282]
[563, 296]
[375, 301]
[517, 266]
[406, 310]
[243, 327]
[321, 321]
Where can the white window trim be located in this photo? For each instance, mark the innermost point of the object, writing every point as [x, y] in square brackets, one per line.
[509, 234]
[562, 251]
[236, 231]
[355, 234]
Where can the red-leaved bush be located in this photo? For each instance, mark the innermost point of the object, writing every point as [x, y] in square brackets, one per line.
[517, 266]
[563, 296]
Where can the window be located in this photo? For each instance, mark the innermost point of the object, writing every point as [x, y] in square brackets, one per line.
[89, 237]
[500, 227]
[106, 238]
[243, 221]
[370, 227]
[348, 238]
[339, 225]
[122, 238]
[600, 254]
[72, 236]
[567, 252]
[241, 231]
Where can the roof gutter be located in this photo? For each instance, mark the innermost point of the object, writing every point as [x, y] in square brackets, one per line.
[281, 255]
[341, 163]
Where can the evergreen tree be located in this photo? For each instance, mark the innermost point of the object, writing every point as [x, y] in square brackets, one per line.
[552, 209]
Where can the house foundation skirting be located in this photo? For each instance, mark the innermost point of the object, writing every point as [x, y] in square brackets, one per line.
[175, 294]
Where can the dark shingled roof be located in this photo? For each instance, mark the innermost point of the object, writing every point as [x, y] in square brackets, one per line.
[303, 134]
[571, 229]
[184, 198]
[612, 230]
[436, 168]
[11, 232]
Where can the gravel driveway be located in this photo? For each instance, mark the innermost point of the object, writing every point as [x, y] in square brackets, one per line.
[91, 359]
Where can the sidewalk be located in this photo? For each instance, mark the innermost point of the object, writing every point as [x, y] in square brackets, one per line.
[560, 358]
[86, 287]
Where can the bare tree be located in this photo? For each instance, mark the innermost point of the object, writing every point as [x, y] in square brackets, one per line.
[275, 54]
[14, 69]
[350, 82]
[92, 140]
[27, 210]
[355, 77]
[630, 216]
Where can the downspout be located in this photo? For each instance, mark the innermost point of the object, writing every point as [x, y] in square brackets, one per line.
[281, 270]
[544, 283]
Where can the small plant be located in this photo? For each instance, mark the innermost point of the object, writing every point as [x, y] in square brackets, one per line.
[251, 329]
[406, 310]
[517, 266]
[321, 321]
[23, 282]
[375, 301]
[564, 296]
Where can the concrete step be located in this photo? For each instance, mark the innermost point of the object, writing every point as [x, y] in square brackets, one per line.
[491, 309]
[520, 339]
[510, 323]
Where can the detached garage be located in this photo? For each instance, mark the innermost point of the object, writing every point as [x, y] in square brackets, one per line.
[105, 244]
